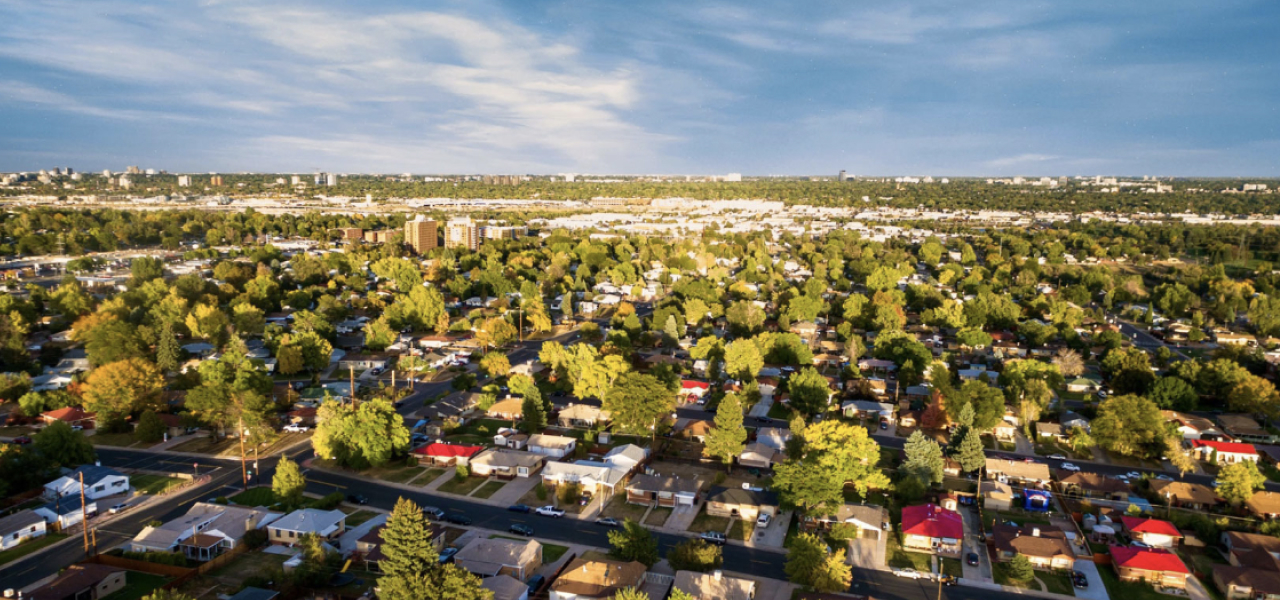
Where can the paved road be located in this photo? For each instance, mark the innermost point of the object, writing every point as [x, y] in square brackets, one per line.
[1146, 341]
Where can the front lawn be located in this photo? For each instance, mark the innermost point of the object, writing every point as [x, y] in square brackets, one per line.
[705, 522]
[112, 439]
[258, 496]
[742, 530]
[778, 410]
[153, 484]
[1054, 581]
[952, 567]
[400, 474]
[899, 558]
[462, 486]
[138, 584]
[489, 488]
[1129, 590]
[552, 552]
[620, 509]
[205, 445]
[26, 548]
[359, 517]
[658, 517]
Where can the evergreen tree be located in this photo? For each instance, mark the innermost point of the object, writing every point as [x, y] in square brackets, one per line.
[411, 569]
[924, 456]
[535, 417]
[670, 330]
[168, 353]
[63, 445]
[971, 455]
[288, 483]
[566, 305]
[729, 437]
[150, 428]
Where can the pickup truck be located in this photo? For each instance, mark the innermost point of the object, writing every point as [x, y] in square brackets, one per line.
[549, 511]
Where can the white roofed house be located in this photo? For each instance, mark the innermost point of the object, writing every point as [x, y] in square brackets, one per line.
[595, 478]
[556, 446]
[99, 482]
[206, 531]
[581, 415]
[327, 524]
[20, 527]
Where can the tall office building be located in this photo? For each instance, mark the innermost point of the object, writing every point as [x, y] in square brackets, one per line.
[215, 180]
[421, 234]
[184, 180]
[462, 233]
[331, 180]
[296, 180]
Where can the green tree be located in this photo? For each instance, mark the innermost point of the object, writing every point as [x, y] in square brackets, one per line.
[1173, 393]
[122, 387]
[695, 554]
[1130, 425]
[288, 483]
[638, 402]
[834, 574]
[1254, 395]
[633, 542]
[1238, 481]
[495, 364]
[534, 418]
[1080, 439]
[742, 360]
[410, 569]
[834, 454]
[1129, 370]
[728, 439]
[63, 446]
[810, 391]
[924, 456]
[1020, 568]
[971, 455]
[168, 353]
[150, 428]
[987, 403]
[359, 437]
[810, 563]
[630, 594]
[289, 360]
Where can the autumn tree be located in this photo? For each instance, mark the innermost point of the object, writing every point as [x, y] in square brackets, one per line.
[1238, 481]
[117, 389]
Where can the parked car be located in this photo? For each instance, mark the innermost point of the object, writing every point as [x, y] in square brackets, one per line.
[295, 428]
[762, 521]
[713, 537]
[1133, 475]
[884, 424]
[520, 508]
[22, 440]
[457, 519]
[609, 522]
[972, 559]
[1163, 477]
[536, 582]
[1057, 457]
[1069, 467]
[909, 574]
[433, 512]
[446, 555]
[118, 507]
[521, 529]
[584, 500]
[1079, 580]
[357, 499]
[550, 511]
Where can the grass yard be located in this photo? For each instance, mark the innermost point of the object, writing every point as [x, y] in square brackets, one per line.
[952, 567]
[428, 476]
[705, 522]
[552, 552]
[901, 559]
[618, 508]
[12, 432]
[778, 410]
[26, 548]
[359, 517]
[137, 585]
[489, 488]
[1129, 590]
[658, 517]
[399, 474]
[258, 496]
[205, 445]
[153, 484]
[112, 439]
[742, 530]
[462, 487]
[1058, 583]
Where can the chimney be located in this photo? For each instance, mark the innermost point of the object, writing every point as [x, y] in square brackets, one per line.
[1035, 532]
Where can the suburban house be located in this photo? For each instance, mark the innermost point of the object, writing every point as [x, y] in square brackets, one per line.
[695, 429]
[866, 409]
[82, 582]
[1264, 504]
[206, 531]
[1018, 472]
[362, 362]
[1083, 385]
[931, 528]
[773, 437]
[1045, 546]
[1245, 428]
[505, 587]
[555, 446]
[715, 585]
[1004, 431]
[595, 479]
[1071, 420]
[1092, 485]
[744, 504]
[1194, 496]
[1050, 431]
[1192, 427]
[1247, 583]
[1156, 566]
[71, 415]
[66, 511]
[504, 463]
[99, 482]
[1152, 532]
[581, 416]
[592, 579]
[996, 495]
[692, 391]
[626, 456]
[1223, 453]
[369, 546]
[442, 454]
[327, 524]
[871, 520]
[1240, 545]
[760, 456]
[19, 527]
[663, 490]
[507, 409]
[488, 557]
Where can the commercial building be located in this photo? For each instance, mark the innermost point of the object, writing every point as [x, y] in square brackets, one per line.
[462, 233]
[184, 180]
[421, 234]
[215, 180]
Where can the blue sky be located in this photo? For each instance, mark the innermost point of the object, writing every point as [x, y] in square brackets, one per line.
[475, 86]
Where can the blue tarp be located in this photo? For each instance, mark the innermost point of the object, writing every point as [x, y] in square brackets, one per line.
[1037, 500]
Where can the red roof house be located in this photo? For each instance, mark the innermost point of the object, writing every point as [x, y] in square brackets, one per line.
[931, 528]
[689, 387]
[1224, 452]
[446, 455]
[1157, 566]
[71, 415]
[1152, 532]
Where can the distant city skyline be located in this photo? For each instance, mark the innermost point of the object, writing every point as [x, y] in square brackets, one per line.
[388, 86]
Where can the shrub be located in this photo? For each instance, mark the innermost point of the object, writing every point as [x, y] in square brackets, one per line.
[461, 472]
[718, 479]
[329, 502]
[569, 493]
[541, 491]
[255, 538]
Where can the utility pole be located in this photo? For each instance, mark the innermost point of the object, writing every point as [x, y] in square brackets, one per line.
[244, 475]
[352, 371]
[84, 516]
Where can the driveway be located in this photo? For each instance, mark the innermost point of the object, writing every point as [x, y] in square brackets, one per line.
[776, 533]
[1097, 590]
[869, 552]
[973, 544]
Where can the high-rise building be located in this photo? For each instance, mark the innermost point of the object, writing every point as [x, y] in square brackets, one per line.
[421, 234]
[331, 180]
[380, 236]
[296, 180]
[215, 180]
[184, 180]
[497, 232]
[462, 233]
[352, 233]
[843, 176]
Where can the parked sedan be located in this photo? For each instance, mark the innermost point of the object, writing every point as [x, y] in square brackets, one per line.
[909, 574]
[1069, 467]
[1079, 580]
[22, 440]
[609, 522]
[521, 529]
[446, 555]
[520, 508]
[972, 559]
[457, 519]
[713, 537]
[357, 499]
[1057, 457]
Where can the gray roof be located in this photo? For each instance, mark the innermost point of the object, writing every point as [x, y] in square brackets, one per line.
[664, 483]
[19, 521]
[742, 497]
[308, 520]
